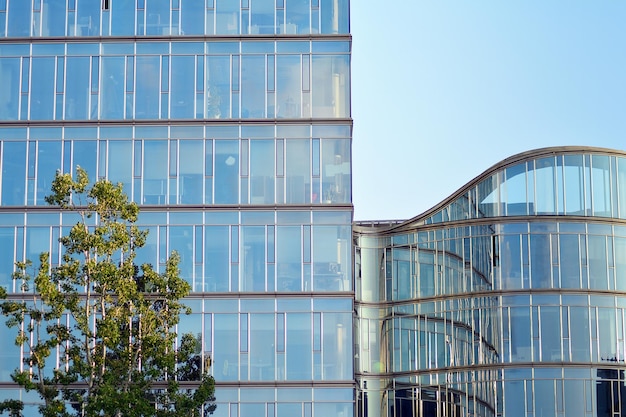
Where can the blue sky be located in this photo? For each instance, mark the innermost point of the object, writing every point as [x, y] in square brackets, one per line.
[442, 90]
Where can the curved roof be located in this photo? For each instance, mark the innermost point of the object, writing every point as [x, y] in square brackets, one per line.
[421, 219]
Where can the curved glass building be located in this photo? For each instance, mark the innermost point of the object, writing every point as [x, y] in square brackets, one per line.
[507, 299]
[229, 123]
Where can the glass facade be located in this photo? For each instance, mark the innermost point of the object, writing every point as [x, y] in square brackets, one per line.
[228, 122]
[507, 299]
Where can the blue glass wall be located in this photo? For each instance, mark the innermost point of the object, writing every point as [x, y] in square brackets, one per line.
[505, 300]
[228, 122]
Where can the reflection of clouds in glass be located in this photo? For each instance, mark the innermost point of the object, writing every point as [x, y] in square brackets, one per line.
[230, 161]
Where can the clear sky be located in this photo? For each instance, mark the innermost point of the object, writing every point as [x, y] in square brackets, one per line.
[442, 90]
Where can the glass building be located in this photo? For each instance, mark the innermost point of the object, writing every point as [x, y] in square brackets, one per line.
[507, 299]
[228, 122]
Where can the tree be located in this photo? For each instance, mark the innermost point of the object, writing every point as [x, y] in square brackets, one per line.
[109, 321]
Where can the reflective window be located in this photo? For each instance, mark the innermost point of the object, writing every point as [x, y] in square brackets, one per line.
[112, 88]
[155, 171]
[9, 94]
[183, 88]
[191, 171]
[601, 185]
[42, 88]
[13, 173]
[298, 172]
[253, 86]
[226, 171]
[53, 15]
[120, 163]
[227, 17]
[19, 19]
[122, 18]
[147, 90]
[297, 17]
[218, 87]
[157, 17]
[298, 347]
[48, 163]
[192, 17]
[331, 86]
[87, 18]
[289, 258]
[262, 17]
[216, 258]
[288, 86]
[334, 13]
[253, 258]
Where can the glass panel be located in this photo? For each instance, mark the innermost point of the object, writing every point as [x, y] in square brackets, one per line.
[544, 397]
[155, 172]
[574, 185]
[262, 352]
[541, 270]
[88, 18]
[42, 88]
[608, 335]
[253, 258]
[9, 93]
[516, 190]
[226, 171]
[288, 86]
[331, 86]
[226, 347]
[53, 20]
[337, 346]
[218, 85]
[216, 258]
[227, 17]
[326, 267]
[620, 263]
[299, 346]
[120, 163]
[597, 250]
[544, 172]
[511, 262]
[112, 83]
[19, 19]
[550, 334]
[183, 89]
[181, 241]
[569, 261]
[298, 172]
[289, 258]
[580, 334]
[192, 18]
[48, 163]
[488, 195]
[520, 334]
[158, 18]
[601, 187]
[298, 16]
[147, 92]
[191, 171]
[262, 17]
[13, 173]
[77, 91]
[253, 86]
[261, 171]
[7, 237]
[335, 16]
[122, 17]
[335, 171]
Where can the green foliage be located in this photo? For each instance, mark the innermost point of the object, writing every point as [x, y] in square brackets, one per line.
[109, 321]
